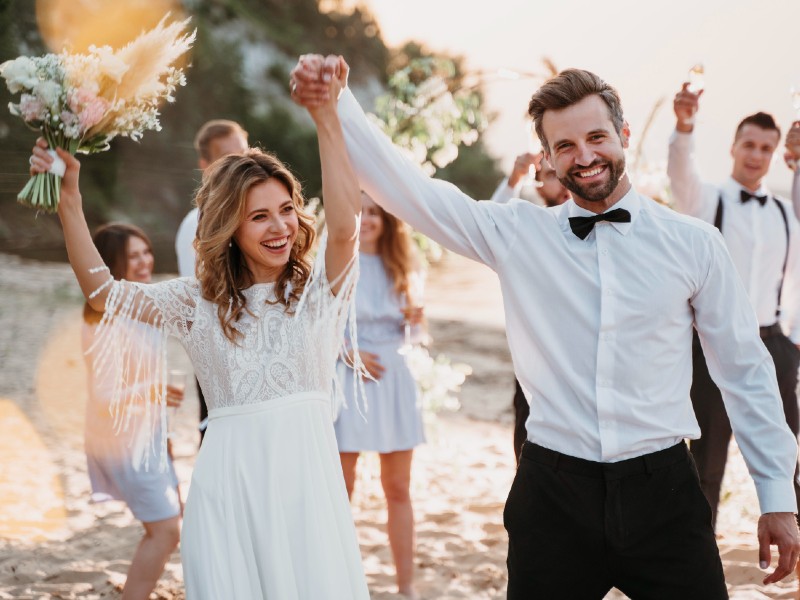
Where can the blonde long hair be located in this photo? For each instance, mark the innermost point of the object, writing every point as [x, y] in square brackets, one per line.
[221, 268]
[398, 252]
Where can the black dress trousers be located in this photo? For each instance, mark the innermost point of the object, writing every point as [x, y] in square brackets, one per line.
[578, 528]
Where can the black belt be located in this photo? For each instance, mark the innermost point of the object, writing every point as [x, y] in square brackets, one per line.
[617, 470]
[770, 331]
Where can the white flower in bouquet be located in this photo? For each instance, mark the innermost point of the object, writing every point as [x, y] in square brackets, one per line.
[438, 379]
[80, 102]
[20, 74]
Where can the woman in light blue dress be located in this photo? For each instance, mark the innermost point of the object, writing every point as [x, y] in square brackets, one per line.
[112, 455]
[388, 299]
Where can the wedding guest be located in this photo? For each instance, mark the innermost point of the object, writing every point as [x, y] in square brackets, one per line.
[599, 327]
[549, 190]
[792, 158]
[214, 140]
[552, 193]
[763, 239]
[152, 496]
[388, 312]
[267, 513]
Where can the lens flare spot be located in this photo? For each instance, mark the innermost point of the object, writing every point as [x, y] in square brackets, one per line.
[77, 24]
[32, 505]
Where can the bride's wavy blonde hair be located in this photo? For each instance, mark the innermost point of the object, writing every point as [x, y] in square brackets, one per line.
[221, 268]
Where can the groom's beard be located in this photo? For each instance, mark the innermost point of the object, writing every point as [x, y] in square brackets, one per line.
[595, 192]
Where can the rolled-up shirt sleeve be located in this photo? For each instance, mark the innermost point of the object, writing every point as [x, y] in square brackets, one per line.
[744, 372]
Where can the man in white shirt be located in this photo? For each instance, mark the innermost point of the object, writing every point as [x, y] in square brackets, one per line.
[215, 139]
[763, 238]
[601, 295]
[792, 158]
[552, 193]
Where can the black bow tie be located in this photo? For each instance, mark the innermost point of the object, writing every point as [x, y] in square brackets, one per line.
[582, 226]
[747, 196]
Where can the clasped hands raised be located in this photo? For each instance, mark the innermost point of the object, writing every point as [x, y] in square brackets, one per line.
[317, 81]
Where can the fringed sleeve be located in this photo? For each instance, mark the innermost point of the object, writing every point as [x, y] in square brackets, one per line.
[129, 355]
[331, 314]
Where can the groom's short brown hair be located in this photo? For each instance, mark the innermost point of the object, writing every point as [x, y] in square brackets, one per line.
[570, 87]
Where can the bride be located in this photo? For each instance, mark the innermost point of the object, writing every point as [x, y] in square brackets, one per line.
[267, 514]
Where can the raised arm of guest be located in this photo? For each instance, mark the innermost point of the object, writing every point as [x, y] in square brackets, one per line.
[792, 157]
[510, 186]
[691, 195]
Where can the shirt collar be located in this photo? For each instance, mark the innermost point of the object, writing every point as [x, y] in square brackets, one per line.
[630, 202]
[731, 187]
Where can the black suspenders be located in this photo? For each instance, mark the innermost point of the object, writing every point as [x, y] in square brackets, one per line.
[718, 225]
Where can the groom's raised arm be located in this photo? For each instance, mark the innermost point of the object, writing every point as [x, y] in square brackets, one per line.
[482, 231]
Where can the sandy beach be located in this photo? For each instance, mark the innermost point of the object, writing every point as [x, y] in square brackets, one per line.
[55, 544]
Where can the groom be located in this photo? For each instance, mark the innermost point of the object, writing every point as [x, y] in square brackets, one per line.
[605, 489]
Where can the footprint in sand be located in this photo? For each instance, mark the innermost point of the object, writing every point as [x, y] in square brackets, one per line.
[485, 508]
[441, 517]
[493, 528]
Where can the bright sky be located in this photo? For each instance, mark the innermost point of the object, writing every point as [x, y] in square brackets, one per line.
[750, 50]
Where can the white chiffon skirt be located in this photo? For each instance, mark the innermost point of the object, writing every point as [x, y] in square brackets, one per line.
[267, 516]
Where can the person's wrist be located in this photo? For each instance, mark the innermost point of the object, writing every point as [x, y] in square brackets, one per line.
[684, 126]
[70, 206]
[513, 179]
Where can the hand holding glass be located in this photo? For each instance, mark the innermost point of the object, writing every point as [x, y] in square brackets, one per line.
[795, 92]
[176, 386]
[412, 310]
[535, 148]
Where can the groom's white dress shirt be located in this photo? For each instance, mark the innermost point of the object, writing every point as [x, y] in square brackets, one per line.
[600, 329]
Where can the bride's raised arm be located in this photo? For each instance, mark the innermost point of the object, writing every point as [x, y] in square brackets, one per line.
[340, 190]
[92, 274]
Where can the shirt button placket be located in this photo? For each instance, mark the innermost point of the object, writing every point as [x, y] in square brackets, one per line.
[604, 383]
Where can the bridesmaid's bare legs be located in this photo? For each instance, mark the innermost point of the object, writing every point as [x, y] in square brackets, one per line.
[160, 539]
[396, 481]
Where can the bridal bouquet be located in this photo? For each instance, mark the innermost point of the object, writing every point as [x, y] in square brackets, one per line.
[80, 102]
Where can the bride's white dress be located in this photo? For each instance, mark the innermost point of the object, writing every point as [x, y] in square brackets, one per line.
[267, 515]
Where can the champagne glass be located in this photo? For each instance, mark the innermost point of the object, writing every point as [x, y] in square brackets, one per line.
[697, 83]
[175, 379]
[697, 78]
[413, 302]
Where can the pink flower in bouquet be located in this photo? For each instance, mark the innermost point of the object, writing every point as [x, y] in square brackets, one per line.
[88, 106]
[31, 108]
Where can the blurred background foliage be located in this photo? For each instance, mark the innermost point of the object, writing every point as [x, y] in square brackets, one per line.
[239, 70]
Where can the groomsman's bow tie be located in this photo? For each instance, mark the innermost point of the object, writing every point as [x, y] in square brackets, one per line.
[582, 226]
[747, 196]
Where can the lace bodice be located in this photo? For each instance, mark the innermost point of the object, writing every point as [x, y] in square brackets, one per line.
[280, 353]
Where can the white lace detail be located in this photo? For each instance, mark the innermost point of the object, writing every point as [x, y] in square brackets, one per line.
[278, 354]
